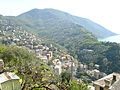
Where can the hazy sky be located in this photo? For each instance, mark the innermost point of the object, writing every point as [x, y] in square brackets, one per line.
[103, 12]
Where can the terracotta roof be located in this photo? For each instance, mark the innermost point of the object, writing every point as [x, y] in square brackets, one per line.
[66, 55]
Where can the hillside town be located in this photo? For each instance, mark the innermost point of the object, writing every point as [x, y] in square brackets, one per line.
[16, 35]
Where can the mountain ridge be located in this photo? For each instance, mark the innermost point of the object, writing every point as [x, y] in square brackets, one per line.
[56, 25]
[48, 24]
[43, 14]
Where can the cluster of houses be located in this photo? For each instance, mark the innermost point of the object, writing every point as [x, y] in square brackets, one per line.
[12, 34]
[15, 35]
[64, 62]
[93, 72]
[43, 53]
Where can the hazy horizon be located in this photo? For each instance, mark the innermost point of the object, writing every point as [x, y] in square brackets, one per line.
[104, 12]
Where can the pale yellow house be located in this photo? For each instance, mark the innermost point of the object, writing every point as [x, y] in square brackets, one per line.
[109, 82]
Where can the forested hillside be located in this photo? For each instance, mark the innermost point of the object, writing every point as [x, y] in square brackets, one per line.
[56, 27]
[49, 19]
[105, 54]
[35, 74]
[37, 42]
[29, 56]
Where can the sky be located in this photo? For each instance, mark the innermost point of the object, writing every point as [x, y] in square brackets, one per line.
[103, 12]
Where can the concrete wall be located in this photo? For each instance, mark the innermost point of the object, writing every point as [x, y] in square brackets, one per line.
[97, 87]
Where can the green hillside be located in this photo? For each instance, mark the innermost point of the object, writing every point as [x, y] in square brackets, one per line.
[52, 24]
[43, 19]
[64, 29]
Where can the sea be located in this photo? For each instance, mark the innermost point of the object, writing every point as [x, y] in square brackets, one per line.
[115, 38]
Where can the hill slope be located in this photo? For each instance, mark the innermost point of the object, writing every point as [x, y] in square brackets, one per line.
[52, 24]
[61, 31]
[42, 18]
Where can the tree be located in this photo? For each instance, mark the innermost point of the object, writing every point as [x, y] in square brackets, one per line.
[74, 85]
[66, 76]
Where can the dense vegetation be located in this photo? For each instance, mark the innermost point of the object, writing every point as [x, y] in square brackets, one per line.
[48, 24]
[34, 74]
[51, 20]
[105, 54]
[65, 30]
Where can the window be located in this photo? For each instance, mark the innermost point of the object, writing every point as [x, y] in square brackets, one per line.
[101, 88]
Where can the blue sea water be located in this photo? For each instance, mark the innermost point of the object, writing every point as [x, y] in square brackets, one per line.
[115, 38]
